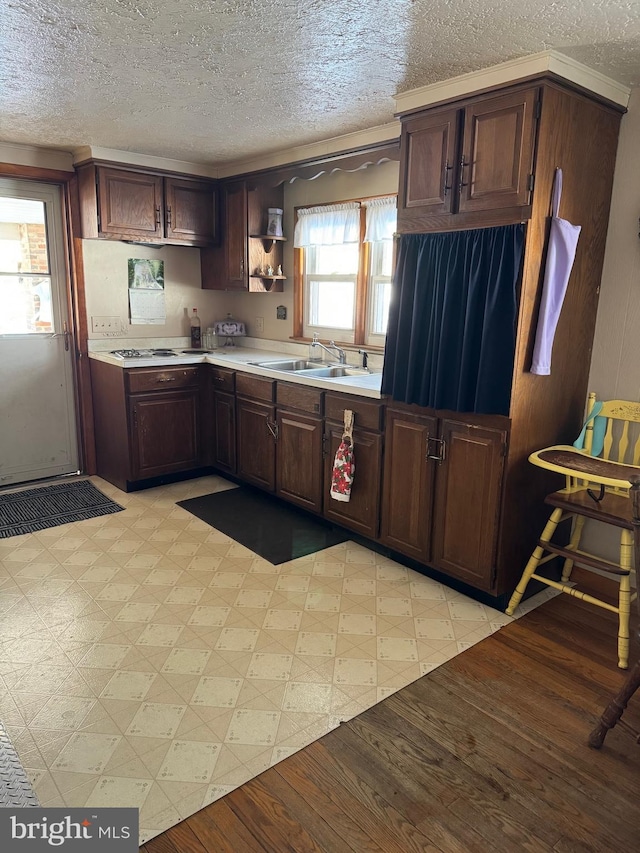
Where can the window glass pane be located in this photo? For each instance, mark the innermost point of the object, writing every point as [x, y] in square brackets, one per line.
[23, 239]
[382, 257]
[380, 295]
[333, 260]
[25, 304]
[331, 303]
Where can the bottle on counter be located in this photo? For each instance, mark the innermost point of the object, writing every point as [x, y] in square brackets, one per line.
[196, 329]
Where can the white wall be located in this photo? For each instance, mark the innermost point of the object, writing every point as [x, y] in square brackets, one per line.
[106, 282]
[615, 363]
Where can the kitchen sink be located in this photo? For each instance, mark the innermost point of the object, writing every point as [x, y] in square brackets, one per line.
[287, 364]
[335, 371]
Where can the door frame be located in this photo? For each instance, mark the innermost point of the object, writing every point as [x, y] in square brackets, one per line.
[75, 295]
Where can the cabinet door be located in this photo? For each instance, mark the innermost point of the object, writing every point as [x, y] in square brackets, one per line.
[407, 490]
[190, 211]
[235, 236]
[256, 437]
[360, 513]
[130, 203]
[224, 432]
[428, 158]
[467, 503]
[497, 152]
[164, 433]
[299, 460]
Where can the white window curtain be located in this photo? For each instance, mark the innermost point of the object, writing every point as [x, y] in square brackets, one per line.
[329, 225]
[382, 216]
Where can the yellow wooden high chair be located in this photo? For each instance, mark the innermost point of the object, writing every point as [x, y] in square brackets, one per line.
[599, 471]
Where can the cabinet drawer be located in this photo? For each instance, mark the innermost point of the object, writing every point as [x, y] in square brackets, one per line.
[154, 379]
[222, 379]
[255, 387]
[367, 414]
[299, 397]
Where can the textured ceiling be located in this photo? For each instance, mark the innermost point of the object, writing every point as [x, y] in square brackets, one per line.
[214, 81]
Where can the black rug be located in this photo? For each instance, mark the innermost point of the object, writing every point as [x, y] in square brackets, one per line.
[50, 506]
[266, 525]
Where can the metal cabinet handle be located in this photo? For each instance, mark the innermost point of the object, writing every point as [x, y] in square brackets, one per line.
[158, 216]
[273, 429]
[462, 168]
[169, 216]
[447, 187]
[442, 450]
[167, 379]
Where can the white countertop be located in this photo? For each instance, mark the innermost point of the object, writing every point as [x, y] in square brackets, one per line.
[238, 358]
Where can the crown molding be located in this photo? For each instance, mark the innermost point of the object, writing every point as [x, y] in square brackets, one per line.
[40, 158]
[146, 161]
[509, 72]
[315, 150]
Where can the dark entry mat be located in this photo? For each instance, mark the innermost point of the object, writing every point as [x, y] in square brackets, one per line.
[50, 506]
[272, 529]
[15, 787]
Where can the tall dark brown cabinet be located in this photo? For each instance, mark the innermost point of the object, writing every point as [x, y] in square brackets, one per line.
[472, 504]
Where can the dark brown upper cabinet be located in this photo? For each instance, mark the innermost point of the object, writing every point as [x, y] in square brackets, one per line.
[125, 204]
[465, 165]
[246, 253]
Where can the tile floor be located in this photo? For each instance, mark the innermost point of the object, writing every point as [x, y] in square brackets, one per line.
[148, 660]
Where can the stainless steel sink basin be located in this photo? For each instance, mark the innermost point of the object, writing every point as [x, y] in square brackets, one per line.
[287, 364]
[312, 368]
[335, 371]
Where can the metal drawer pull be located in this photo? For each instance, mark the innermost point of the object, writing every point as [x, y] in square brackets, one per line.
[441, 450]
[169, 379]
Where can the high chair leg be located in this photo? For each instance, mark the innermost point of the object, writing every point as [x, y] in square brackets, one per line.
[624, 598]
[534, 559]
[574, 544]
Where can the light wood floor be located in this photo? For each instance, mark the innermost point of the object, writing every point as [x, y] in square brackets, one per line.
[486, 753]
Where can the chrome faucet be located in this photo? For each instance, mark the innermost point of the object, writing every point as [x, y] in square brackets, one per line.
[332, 349]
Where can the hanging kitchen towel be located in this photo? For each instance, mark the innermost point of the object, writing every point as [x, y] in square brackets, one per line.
[344, 464]
[563, 241]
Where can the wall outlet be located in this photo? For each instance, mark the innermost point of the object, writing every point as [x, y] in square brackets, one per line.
[107, 325]
[259, 324]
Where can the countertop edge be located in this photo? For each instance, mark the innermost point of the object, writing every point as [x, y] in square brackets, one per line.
[361, 386]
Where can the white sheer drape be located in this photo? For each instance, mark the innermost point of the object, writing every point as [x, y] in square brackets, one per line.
[329, 225]
[382, 216]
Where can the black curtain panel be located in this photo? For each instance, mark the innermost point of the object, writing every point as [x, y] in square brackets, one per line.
[452, 319]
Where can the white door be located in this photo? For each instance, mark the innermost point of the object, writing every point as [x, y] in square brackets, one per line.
[38, 436]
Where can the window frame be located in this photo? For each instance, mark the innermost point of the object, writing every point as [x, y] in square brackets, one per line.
[362, 303]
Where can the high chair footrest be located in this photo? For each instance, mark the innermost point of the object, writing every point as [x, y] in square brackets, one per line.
[583, 559]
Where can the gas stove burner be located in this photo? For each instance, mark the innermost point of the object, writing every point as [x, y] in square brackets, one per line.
[162, 353]
[127, 353]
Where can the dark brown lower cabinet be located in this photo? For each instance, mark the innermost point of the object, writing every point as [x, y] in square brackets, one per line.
[220, 419]
[147, 422]
[468, 490]
[361, 512]
[256, 443]
[164, 433]
[442, 491]
[223, 441]
[407, 495]
[299, 459]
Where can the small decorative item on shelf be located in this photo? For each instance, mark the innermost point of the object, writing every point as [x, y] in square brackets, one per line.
[274, 226]
[269, 270]
[230, 329]
[279, 270]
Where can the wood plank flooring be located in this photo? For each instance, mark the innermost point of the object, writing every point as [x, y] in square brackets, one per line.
[487, 753]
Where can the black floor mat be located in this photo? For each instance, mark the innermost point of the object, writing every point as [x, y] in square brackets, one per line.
[31, 510]
[264, 524]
